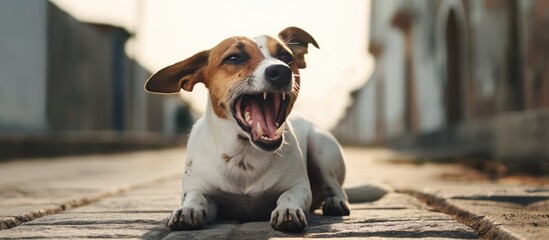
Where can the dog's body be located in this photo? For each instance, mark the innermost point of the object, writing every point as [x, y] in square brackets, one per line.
[245, 159]
[245, 183]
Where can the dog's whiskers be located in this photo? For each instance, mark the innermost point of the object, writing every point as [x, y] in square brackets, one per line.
[278, 152]
[295, 89]
[289, 40]
[281, 149]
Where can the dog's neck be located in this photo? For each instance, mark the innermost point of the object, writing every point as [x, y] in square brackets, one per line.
[224, 130]
[245, 164]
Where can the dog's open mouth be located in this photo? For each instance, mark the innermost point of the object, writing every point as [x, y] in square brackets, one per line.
[263, 116]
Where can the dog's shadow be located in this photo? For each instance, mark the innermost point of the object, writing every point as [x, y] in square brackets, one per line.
[317, 225]
[247, 230]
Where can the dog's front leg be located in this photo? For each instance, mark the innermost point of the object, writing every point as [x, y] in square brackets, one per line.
[292, 208]
[195, 211]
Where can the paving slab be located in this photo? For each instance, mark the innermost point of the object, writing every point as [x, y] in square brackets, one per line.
[131, 214]
[31, 189]
[504, 208]
[500, 211]
[213, 231]
[395, 216]
[130, 196]
[141, 210]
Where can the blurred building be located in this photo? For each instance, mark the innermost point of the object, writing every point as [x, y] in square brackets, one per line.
[61, 77]
[456, 77]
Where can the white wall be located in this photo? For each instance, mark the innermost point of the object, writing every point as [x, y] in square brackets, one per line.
[429, 87]
[394, 72]
[23, 65]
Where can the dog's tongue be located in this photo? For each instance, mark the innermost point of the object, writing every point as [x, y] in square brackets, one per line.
[263, 118]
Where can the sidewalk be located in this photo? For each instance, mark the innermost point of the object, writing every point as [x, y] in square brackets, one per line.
[129, 196]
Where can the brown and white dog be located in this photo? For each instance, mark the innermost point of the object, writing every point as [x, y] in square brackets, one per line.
[246, 160]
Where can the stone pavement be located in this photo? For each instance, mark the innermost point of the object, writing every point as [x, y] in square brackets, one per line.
[129, 196]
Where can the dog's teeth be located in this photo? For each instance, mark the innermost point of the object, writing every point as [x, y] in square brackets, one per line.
[266, 138]
[280, 130]
[284, 96]
[264, 95]
[259, 130]
[247, 117]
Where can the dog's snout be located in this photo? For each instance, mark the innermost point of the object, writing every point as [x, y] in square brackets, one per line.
[279, 75]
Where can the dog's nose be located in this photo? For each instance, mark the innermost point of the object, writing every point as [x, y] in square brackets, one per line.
[279, 75]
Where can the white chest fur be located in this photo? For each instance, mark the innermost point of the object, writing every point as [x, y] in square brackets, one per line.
[219, 161]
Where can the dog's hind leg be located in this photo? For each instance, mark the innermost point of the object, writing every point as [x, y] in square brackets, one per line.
[326, 171]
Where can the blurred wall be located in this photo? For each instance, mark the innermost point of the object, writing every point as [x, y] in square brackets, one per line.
[59, 75]
[23, 67]
[68, 84]
[456, 77]
[92, 84]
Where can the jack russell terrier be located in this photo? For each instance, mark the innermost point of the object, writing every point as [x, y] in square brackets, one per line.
[246, 160]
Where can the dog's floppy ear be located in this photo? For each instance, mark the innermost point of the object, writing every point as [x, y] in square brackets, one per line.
[297, 40]
[184, 74]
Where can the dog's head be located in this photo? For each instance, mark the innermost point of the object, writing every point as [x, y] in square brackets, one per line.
[253, 82]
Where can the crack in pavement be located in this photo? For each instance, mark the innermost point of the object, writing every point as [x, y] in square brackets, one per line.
[74, 203]
[485, 228]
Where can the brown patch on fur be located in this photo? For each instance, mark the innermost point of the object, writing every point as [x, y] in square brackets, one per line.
[226, 157]
[219, 77]
[297, 40]
[184, 74]
[189, 163]
[209, 67]
[242, 164]
[274, 45]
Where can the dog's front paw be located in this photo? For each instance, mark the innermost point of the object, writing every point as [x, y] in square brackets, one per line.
[185, 218]
[288, 219]
[335, 206]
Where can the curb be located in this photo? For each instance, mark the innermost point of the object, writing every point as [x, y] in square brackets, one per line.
[20, 146]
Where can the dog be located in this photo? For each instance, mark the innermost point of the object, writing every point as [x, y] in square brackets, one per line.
[246, 159]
